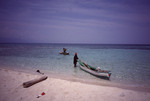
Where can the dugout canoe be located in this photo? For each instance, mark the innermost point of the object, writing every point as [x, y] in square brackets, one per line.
[92, 70]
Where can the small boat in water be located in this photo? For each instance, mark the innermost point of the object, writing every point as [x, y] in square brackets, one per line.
[64, 53]
[94, 71]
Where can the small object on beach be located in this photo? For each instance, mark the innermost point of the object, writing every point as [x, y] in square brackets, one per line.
[32, 82]
[39, 72]
[41, 94]
[122, 95]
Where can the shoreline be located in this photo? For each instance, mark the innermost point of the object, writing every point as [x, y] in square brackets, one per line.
[56, 89]
[81, 80]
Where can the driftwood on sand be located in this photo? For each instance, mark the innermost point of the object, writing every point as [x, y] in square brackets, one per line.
[34, 81]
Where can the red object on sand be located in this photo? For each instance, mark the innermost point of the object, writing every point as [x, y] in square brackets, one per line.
[43, 93]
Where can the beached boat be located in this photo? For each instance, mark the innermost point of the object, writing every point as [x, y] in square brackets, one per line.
[64, 53]
[94, 71]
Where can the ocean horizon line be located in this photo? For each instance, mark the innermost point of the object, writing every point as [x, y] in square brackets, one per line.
[82, 43]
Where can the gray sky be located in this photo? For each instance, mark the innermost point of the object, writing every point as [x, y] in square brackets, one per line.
[75, 21]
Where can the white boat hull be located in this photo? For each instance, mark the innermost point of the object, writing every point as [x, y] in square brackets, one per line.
[96, 73]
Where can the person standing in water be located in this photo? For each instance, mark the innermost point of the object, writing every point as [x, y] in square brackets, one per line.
[75, 60]
[64, 50]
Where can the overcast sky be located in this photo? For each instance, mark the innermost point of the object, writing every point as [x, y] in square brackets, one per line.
[75, 21]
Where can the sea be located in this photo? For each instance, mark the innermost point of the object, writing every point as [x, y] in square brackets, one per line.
[129, 64]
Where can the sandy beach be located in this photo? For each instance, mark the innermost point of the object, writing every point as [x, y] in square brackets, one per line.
[11, 89]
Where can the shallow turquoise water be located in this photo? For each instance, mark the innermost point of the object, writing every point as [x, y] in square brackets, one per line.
[128, 63]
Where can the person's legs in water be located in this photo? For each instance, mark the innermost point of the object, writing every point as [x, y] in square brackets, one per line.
[75, 64]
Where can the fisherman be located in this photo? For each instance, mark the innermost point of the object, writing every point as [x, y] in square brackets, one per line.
[64, 50]
[75, 60]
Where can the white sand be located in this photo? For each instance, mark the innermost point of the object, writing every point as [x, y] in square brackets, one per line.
[11, 89]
